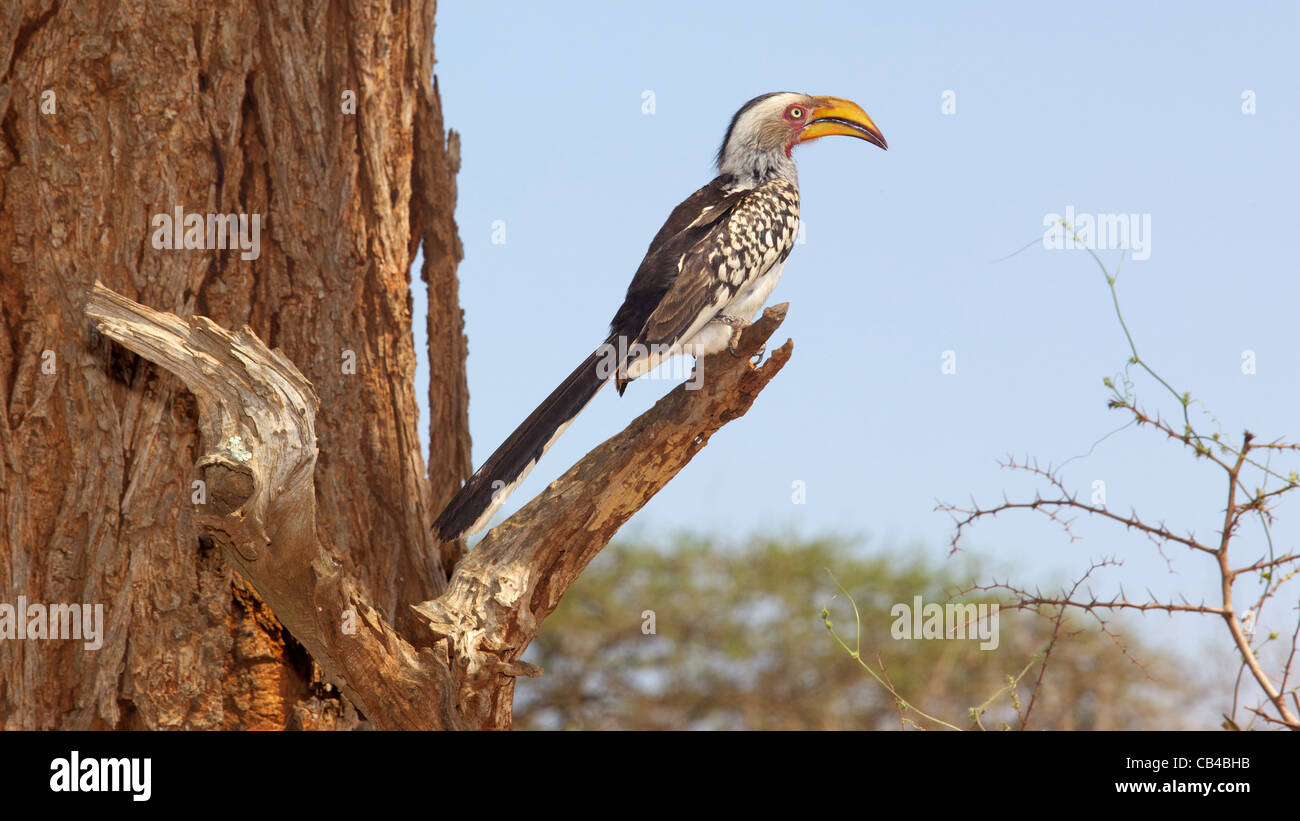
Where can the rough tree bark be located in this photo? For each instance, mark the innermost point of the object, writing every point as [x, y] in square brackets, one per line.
[302, 583]
[232, 107]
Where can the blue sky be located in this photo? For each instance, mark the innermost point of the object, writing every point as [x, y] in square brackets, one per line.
[1110, 109]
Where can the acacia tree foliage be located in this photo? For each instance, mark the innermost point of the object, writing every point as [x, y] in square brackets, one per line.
[739, 643]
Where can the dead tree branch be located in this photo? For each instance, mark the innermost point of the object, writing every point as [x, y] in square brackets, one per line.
[257, 424]
[512, 580]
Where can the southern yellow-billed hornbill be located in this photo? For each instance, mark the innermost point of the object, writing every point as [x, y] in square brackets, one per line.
[707, 271]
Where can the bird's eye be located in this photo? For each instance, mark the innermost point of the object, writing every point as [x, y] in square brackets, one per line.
[796, 113]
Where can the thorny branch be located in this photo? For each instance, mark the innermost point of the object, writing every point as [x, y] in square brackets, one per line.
[1242, 500]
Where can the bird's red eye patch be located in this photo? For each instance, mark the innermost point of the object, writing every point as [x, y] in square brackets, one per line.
[796, 113]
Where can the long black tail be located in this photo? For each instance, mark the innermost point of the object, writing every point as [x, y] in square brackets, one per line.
[472, 507]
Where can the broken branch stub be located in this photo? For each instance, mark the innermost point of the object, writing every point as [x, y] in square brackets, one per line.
[256, 417]
[503, 588]
[257, 424]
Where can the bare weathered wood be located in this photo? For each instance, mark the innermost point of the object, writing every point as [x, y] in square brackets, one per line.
[257, 423]
[514, 578]
[257, 426]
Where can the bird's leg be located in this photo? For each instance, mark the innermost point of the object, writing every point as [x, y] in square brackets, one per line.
[737, 325]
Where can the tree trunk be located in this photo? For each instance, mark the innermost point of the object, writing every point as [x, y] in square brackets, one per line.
[321, 118]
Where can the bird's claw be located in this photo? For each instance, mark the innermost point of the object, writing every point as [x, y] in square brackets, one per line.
[737, 325]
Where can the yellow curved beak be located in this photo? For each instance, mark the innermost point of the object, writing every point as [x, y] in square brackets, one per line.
[834, 115]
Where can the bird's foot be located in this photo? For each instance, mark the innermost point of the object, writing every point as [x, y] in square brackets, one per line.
[737, 325]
